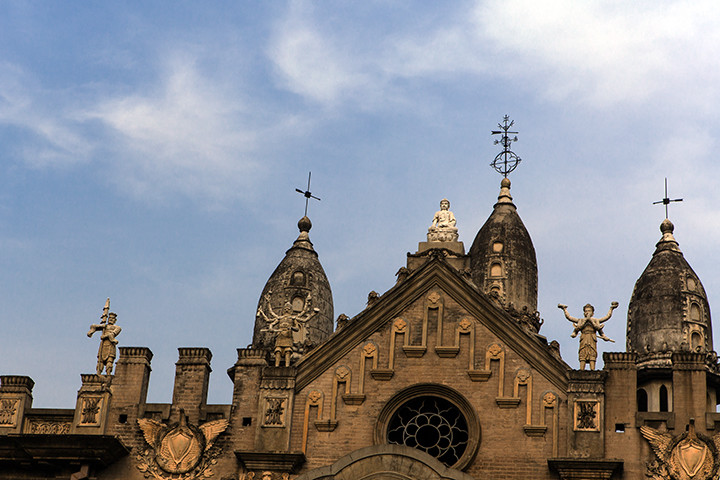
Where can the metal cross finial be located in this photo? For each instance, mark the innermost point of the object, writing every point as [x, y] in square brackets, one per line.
[666, 201]
[505, 161]
[307, 194]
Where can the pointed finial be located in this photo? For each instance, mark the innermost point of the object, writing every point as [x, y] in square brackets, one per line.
[666, 201]
[505, 161]
[307, 194]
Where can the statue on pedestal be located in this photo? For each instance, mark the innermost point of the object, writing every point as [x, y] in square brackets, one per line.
[288, 327]
[590, 328]
[107, 350]
[443, 227]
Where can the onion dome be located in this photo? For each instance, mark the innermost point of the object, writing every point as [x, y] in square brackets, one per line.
[502, 257]
[298, 291]
[668, 310]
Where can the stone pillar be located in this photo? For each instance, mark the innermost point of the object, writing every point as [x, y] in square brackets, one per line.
[245, 375]
[132, 376]
[277, 393]
[15, 401]
[690, 382]
[93, 404]
[586, 412]
[192, 374]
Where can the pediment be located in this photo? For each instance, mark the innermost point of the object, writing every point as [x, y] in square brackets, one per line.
[437, 282]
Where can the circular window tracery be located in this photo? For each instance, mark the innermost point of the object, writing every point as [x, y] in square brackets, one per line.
[432, 418]
[433, 425]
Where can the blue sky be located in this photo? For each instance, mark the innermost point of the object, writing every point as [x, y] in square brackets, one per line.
[149, 152]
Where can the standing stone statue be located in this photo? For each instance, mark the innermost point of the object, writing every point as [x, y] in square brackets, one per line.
[589, 328]
[107, 351]
[443, 225]
[288, 327]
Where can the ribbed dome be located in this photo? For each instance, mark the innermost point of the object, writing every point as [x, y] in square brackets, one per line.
[502, 257]
[300, 287]
[668, 310]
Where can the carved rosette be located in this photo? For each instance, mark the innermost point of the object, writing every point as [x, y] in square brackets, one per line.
[179, 452]
[690, 456]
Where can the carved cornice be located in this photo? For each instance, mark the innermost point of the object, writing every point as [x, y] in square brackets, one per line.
[619, 360]
[583, 468]
[194, 356]
[272, 461]
[16, 384]
[133, 354]
[587, 381]
[278, 378]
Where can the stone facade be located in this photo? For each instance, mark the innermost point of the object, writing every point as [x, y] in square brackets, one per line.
[439, 377]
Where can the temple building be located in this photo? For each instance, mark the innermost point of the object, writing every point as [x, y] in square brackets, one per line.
[446, 375]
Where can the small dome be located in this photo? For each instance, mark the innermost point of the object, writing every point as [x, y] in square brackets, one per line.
[668, 310]
[502, 257]
[300, 288]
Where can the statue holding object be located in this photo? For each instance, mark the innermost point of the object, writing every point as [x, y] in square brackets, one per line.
[107, 350]
[589, 328]
[288, 327]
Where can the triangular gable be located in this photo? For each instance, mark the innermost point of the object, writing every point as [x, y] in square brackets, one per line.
[436, 273]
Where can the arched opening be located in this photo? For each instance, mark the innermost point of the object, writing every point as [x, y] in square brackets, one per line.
[696, 340]
[664, 399]
[297, 279]
[496, 270]
[642, 400]
[298, 303]
[695, 312]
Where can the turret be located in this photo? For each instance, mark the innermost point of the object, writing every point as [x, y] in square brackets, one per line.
[668, 310]
[502, 257]
[296, 305]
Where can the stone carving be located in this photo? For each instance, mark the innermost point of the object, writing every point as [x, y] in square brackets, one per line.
[47, 428]
[684, 457]
[90, 410]
[182, 451]
[590, 328]
[288, 327]
[443, 225]
[107, 351]
[586, 415]
[8, 412]
[274, 410]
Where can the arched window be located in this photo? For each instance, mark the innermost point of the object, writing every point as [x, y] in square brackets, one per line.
[695, 312]
[496, 270]
[298, 303]
[663, 399]
[696, 340]
[642, 400]
[297, 279]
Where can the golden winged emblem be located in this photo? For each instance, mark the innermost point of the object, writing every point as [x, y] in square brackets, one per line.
[180, 448]
[689, 456]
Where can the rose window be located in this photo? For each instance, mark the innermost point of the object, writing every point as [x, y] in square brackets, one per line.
[431, 424]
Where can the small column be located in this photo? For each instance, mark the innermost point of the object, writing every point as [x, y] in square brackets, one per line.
[192, 374]
[586, 411]
[245, 375]
[689, 376]
[93, 404]
[275, 401]
[132, 376]
[15, 401]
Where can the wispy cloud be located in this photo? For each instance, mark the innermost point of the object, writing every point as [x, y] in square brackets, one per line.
[37, 113]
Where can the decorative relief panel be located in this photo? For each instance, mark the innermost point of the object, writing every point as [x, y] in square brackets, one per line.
[46, 427]
[274, 412]
[9, 412]
[586, 416]
[90, 413]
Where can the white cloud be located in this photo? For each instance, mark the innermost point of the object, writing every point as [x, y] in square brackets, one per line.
[26, 106]
[595, 54]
